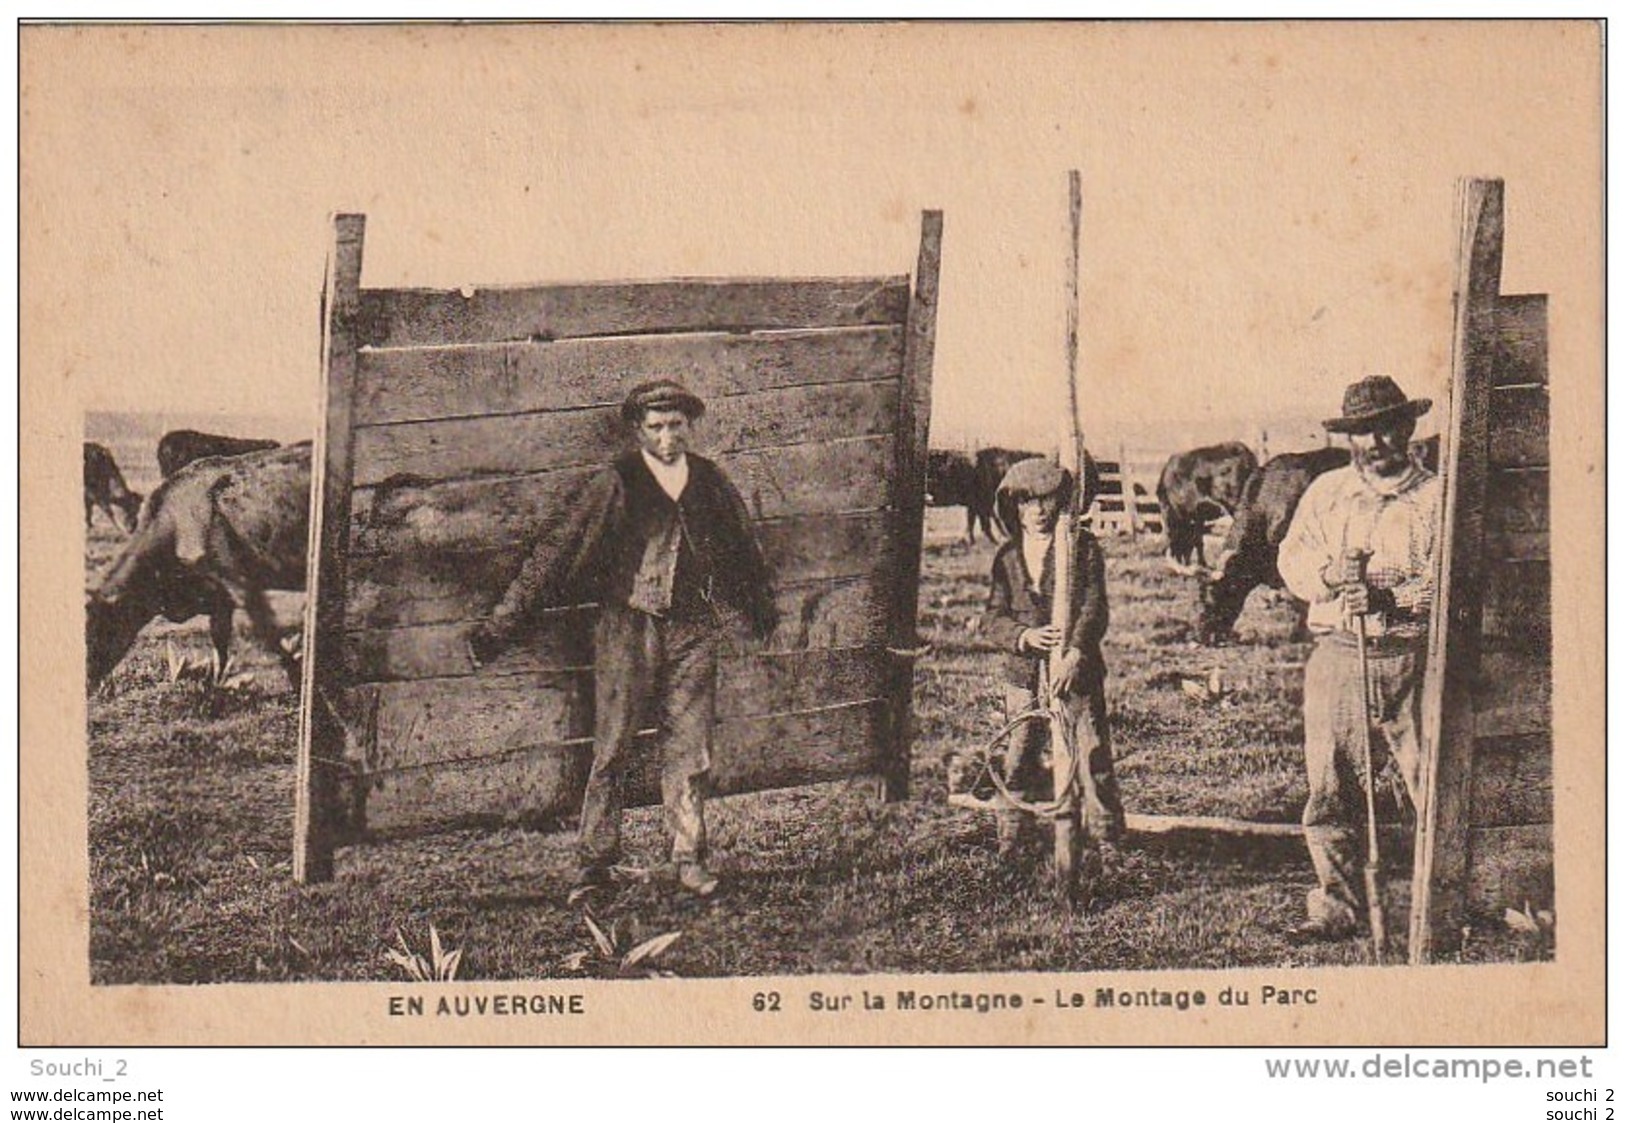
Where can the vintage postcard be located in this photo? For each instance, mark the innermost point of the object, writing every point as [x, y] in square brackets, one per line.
[1041, 533]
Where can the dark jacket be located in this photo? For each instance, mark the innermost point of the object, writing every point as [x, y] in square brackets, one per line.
[595, 552]
[1013, 606]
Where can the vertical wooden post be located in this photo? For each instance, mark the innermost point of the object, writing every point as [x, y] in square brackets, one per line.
[1439, 877]
[321, 729]
[913, 438]
[1131, 501]
[1068, 825]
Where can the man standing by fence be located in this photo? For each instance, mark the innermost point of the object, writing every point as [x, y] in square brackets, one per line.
[662, 540]
[1360, 550]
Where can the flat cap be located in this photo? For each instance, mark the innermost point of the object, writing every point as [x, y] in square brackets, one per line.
[662, 393]
[1035, 478]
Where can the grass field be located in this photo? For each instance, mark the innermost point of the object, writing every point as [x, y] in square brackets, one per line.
[191, 805]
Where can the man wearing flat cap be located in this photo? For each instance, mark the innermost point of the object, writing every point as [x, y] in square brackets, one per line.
[1361, 545]
[661, 539]
[1018, 622]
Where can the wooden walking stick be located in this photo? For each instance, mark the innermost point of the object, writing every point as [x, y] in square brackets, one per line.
[1373, 856]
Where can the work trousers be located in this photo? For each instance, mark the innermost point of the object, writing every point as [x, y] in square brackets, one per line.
[1085, 714]
[1334, 817]
[656, 671]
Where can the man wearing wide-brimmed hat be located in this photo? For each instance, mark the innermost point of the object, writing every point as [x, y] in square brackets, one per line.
[662, 540]
[1361, 547]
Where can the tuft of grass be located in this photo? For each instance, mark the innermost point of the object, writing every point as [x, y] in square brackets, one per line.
[617, 952]
[439, 966]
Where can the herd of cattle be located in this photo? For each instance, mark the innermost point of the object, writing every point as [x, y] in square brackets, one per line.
[230, 522]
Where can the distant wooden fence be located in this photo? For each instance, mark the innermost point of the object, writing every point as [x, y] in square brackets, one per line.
[459, 422]
[1113, 513]
[1485, 838]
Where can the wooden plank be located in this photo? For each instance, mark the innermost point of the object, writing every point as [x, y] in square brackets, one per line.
[1520, 341]
[441, 721]
[1517, 515]
[1511, 867]
[908, 533]
[753, 754]
[758, 685]
[1513, 696]
[392, 585]
[561, 641]
[458, 719]
[412, 317]
[1517, 613]
[536, 442]
[828, 614]
[1512, 781]
[425, 383]
[1438, 887]
[1520, 427]
[838, 477]
[317, 819]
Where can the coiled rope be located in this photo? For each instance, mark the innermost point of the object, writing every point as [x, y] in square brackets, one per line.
[1045, 706]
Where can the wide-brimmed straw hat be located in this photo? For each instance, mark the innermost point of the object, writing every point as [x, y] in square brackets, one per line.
[662, 393]
[1372, 401]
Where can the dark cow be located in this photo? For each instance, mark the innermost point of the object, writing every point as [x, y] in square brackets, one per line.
[212, 539]
[1197, 487]
[1247, 559]
[106, 490]
[950, 481]
[179, 448]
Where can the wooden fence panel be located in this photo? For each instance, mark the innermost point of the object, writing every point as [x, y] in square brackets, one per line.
[469, 420]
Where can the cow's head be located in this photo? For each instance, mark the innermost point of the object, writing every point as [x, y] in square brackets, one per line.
[137, 587]
[111, 625]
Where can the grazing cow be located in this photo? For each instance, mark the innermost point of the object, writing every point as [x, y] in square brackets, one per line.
[1197, 487]
[1247, 559]
[105, 489]
[212, 539]
[950, 481]
[180, 447]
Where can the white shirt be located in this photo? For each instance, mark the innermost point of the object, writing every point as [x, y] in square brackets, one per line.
[672, 478]
[1397, 521]
[1034, 549]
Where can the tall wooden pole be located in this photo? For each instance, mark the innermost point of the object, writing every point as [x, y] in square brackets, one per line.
[913, 438]
[1068, 827]
[1444, 796]
[321, 736]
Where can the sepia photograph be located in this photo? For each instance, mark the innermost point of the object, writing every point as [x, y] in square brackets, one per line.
[812, 533]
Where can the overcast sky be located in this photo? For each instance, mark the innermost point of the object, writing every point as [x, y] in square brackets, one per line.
[1269, 212]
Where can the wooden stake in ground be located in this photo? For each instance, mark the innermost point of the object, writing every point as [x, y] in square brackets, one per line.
[1068, 825]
